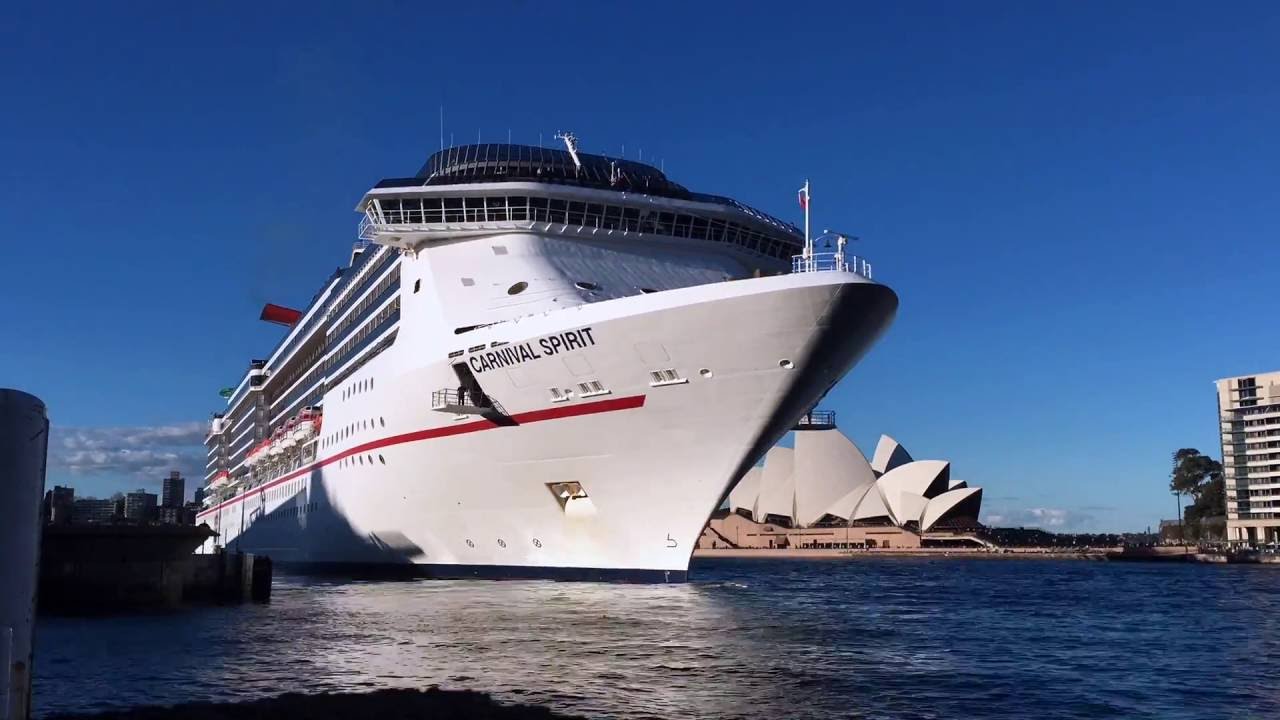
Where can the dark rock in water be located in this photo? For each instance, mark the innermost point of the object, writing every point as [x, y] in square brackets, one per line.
[382, 705]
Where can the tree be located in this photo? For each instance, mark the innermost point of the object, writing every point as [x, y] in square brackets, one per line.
[1193, 473]
[1199, 476]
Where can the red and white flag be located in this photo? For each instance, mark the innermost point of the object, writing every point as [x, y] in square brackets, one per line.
[804, 197]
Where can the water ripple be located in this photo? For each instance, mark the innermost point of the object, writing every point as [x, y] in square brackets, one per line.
[746, 639]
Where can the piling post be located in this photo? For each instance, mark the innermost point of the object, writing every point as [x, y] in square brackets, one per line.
[24, 447]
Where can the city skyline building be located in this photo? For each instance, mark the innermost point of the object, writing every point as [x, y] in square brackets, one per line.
[173, 490]
[1249, 423]
[92, 510]
[139, 505]
[58, 505]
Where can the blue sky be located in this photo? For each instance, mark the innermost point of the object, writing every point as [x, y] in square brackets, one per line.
[1077, 202]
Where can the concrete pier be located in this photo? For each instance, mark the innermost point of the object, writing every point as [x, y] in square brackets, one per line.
[96, 569]
[24, 447]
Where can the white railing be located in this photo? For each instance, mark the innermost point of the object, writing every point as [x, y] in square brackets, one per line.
[831, 261]
[368, 229]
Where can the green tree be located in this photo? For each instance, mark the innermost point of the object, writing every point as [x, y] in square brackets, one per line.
[1193, 472]
[1199, 476]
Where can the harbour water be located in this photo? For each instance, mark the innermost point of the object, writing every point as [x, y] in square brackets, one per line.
[876, 638]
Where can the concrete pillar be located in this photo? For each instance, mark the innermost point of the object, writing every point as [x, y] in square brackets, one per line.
[24, 446]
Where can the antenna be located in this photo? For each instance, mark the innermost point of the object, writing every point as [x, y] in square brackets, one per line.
[442, 127]
[571, 143]
[508, 136]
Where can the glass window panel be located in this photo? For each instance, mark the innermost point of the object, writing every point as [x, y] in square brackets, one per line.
[681, 228]
[517, 207]
[496, 209]
[699, 228]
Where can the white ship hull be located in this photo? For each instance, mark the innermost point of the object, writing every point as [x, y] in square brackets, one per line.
[398, 485]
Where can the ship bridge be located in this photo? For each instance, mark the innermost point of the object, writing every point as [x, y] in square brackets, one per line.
[480, 189]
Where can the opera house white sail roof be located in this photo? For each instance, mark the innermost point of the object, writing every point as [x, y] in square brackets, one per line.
[826, 480]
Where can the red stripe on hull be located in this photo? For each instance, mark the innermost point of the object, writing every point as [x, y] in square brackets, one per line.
[556, 413]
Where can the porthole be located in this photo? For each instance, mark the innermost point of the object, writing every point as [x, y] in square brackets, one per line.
[588, 286]
[518, 288]
[417, 285]
[537, 543]
[786, 364]
[470, 544]
[382, 460]
[502, 543]
[706, 373]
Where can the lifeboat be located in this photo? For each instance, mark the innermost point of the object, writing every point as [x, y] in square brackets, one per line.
[275, 449]
[287, 441]
[256, 455]
[305, 426]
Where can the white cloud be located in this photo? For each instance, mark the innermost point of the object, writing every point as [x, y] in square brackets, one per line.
[144, 452]
[1055, 519]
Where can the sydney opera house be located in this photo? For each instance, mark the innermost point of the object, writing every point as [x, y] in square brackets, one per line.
[824, 494]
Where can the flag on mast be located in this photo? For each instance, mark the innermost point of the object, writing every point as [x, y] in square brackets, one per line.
[804, 203]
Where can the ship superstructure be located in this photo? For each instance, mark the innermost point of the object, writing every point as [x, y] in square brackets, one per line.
[538, 362]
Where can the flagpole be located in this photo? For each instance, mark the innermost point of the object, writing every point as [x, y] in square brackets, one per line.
[808, 243]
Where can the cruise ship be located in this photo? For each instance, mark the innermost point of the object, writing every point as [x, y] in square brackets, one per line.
[538, 362]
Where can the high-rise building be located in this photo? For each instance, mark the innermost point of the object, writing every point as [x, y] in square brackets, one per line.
[57, 505]
[91, 510]
[197, 496]
[173, 491]
[139, 505]
[1249, 419]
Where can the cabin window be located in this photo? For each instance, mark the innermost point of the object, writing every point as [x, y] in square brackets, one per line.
[517, 288]
[588, 286]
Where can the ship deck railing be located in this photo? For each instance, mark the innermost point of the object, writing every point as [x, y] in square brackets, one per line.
[468, 403]
[831, 262]
[817, 420]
